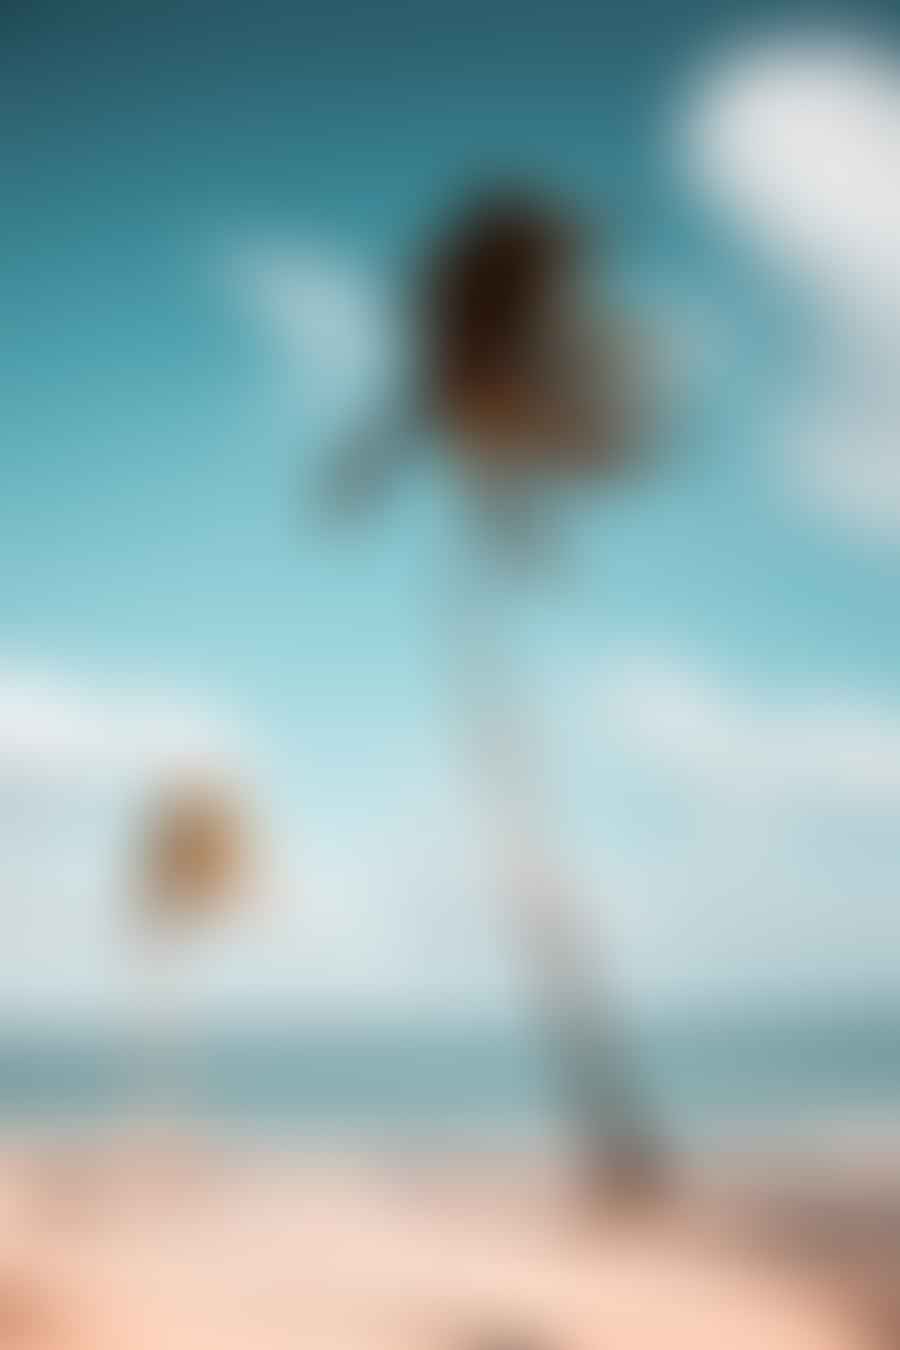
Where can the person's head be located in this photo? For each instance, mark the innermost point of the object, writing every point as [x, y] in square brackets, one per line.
[528, 369]
[487, 279]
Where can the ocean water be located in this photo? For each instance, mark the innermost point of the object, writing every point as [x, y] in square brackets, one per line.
[700, 1079]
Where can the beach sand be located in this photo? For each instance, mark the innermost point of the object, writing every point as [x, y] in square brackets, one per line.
[133, 1246]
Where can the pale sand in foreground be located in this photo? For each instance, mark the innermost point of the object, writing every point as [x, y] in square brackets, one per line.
[126, 1252]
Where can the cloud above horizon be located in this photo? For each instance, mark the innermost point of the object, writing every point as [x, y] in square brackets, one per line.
[77, 758]
[326, 315]
[54, 729]
[815, 746]
[764, 859]
[797, 142]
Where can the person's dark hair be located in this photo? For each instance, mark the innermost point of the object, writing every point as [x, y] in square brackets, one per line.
[488, 275]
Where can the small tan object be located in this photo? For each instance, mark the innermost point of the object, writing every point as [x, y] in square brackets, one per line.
[196, 853]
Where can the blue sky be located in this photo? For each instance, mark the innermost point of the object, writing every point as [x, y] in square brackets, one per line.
[157, 416]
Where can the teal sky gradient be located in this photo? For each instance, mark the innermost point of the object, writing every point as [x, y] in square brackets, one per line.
[151, 527]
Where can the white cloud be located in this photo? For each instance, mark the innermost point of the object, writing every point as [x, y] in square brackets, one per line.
[75, 758]
[53, 728]
[330, 318]
[765, 860]
[358, 913]
[800, 141]
[820, 747]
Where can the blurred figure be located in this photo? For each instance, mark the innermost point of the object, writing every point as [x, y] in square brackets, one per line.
[527, 375]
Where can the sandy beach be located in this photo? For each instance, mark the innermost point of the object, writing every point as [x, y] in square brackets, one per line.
[133, 1247]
